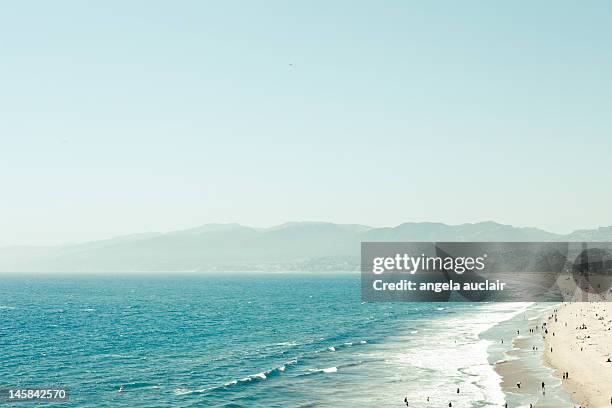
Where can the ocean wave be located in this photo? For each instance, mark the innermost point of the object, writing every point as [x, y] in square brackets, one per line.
[287, 343]
[344, 345]
[331, 370]
[262, 376]
[328, 370]
[184, 391]
[137, 384]
[458, 335]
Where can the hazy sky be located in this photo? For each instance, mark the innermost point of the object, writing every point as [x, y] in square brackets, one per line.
[129, 116]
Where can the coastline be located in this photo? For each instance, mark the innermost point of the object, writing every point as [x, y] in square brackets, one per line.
[522, 353]
[579, 342]
[517, 356]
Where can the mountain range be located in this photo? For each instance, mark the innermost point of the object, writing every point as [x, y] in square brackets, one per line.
[295, 246]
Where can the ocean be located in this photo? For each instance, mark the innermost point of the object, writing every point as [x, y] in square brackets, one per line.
[245, 340]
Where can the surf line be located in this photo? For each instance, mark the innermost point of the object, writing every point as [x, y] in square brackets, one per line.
[407, 285]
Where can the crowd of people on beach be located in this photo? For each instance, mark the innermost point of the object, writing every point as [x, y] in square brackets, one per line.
[544, 328]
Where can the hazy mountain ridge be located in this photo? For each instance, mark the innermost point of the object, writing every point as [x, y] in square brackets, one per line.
[296, 246]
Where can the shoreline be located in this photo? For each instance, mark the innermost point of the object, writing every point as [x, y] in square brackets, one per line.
[579, 342]
[580, 337]
[517, 356]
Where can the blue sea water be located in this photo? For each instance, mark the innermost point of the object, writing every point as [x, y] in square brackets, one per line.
[241, 340]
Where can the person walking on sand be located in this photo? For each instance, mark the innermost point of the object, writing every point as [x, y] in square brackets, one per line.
[406, 400]
[518, 384]
[457, 390]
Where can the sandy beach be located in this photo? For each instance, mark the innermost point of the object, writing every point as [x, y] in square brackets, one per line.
[579, 342]
[522, 362]
[544, 345]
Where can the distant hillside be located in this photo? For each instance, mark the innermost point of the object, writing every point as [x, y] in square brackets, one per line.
[297, 246]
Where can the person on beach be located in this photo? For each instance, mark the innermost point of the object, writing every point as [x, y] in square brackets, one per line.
[518, 384]
[406, 400]
[457, 390]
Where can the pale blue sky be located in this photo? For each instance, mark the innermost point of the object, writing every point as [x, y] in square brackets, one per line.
[129, 116]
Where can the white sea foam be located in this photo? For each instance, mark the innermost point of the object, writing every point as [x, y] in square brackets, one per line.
[329, 370]
[264, 375]
[287, 343]
[451, 349]
[183, 391]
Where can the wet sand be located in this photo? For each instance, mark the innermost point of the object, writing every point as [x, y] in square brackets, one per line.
[515, 369]
[580, 335]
